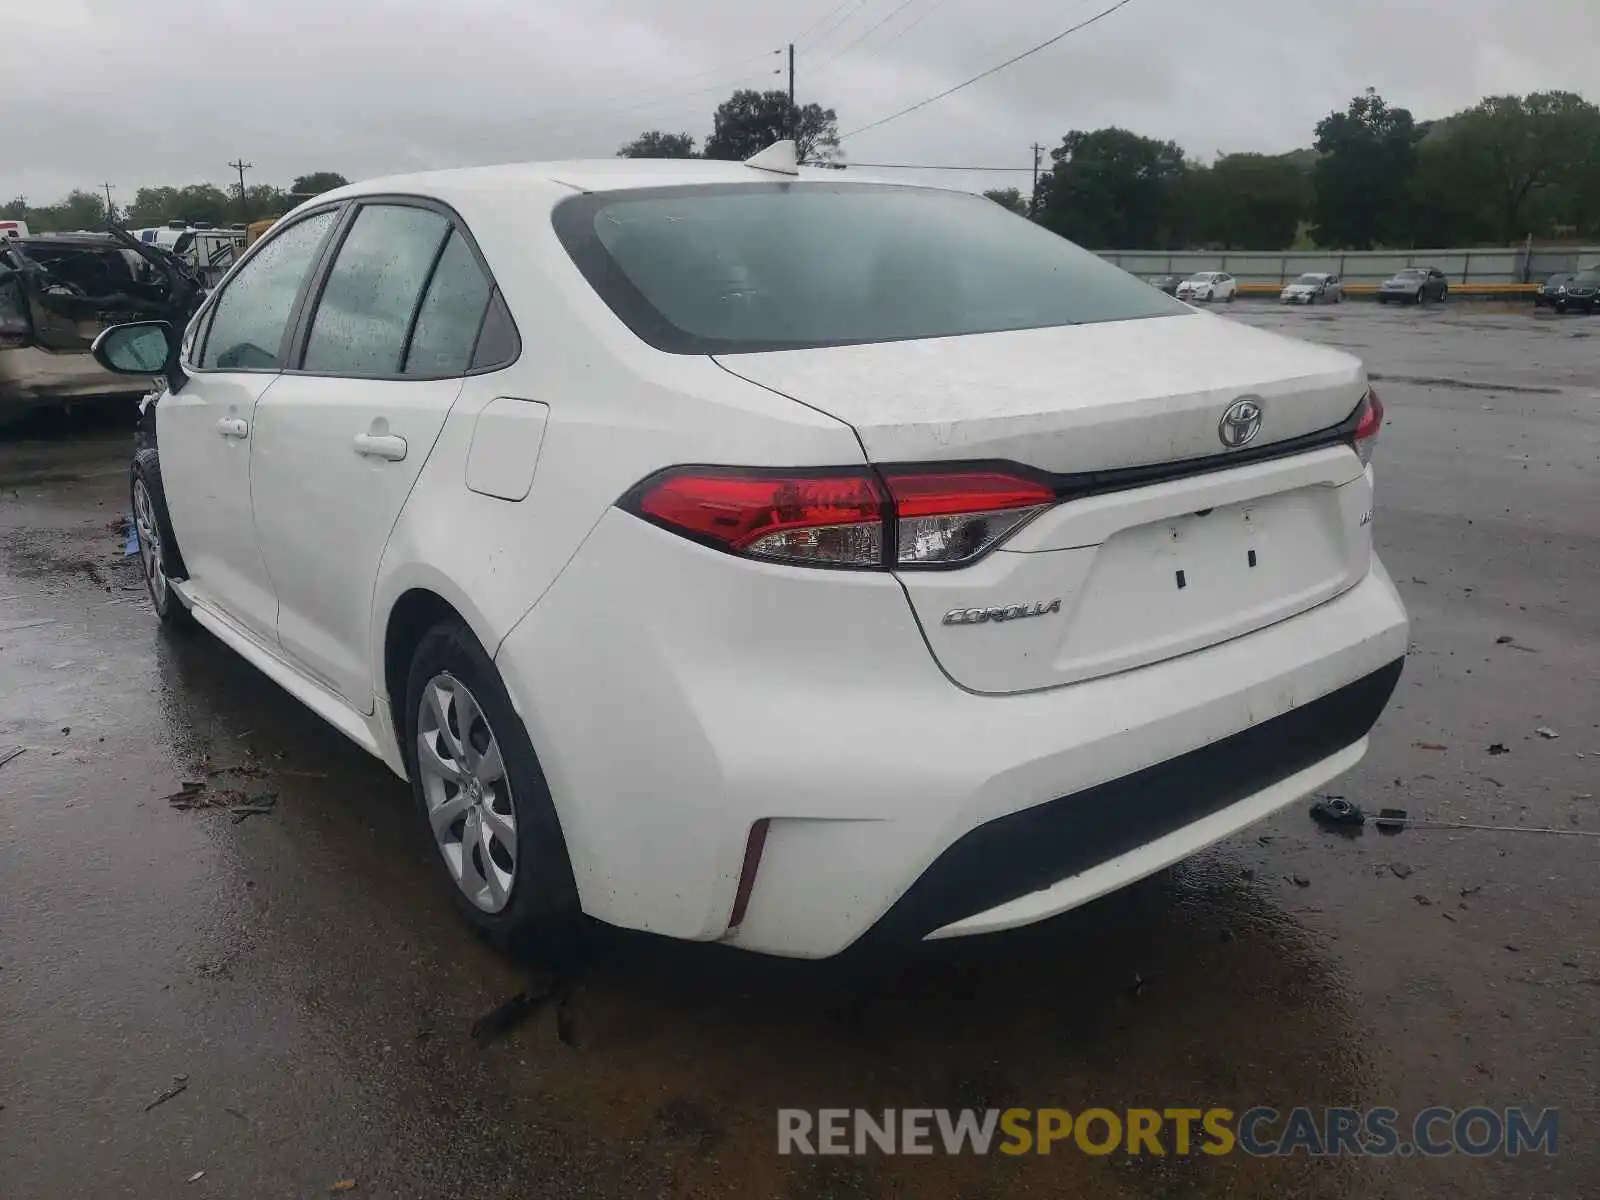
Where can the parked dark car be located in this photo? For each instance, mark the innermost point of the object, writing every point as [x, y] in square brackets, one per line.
[1581, 292]
[1166, 283]
[1545, 297]
[1414, 285]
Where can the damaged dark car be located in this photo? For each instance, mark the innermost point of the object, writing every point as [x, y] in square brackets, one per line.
[57, 292]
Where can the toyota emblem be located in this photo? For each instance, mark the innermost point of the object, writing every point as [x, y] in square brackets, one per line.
[1240, 423]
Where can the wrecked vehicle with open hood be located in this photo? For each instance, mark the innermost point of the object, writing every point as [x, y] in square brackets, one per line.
[57, 292]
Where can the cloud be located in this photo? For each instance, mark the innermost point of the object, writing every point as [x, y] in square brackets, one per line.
[167, 92]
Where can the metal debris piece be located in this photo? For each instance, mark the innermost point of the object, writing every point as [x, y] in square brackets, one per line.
[1400, 870]
[10, 754]
[1499, 748]
[1430, 745]
[1336, 810]
[1299, 881]
[1390, 820]
[1546, 732]
[179, 1086]
[1505, 639]
[198, 1175]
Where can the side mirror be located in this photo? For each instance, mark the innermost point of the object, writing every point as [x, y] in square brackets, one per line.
[138, 348]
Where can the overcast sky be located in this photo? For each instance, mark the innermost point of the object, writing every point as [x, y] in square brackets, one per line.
[162, 91]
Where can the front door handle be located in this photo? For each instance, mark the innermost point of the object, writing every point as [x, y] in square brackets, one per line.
[388, 446]
[233, 427]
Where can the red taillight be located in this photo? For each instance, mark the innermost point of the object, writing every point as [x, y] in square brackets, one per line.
[828, 519]
[843, 518]
[1368, 425]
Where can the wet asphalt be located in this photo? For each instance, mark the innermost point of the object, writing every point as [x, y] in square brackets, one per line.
[297, 977]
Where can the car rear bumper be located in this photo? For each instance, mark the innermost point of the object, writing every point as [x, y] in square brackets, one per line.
[679, 697]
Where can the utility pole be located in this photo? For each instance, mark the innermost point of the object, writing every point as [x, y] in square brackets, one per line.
[1033, 197]
[241, 166]
[794, 113]
[111, 213]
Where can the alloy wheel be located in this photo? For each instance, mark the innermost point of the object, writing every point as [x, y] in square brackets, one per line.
[144, 523]
[469, 801]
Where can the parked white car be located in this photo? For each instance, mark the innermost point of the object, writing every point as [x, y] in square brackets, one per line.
[740, 553]
[1206, 286]
[1314, 287]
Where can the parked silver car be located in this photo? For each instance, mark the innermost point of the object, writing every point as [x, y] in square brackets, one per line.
[1414, 285]
[1314, 287]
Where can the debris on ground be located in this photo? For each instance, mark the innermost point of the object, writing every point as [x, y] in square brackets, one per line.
[1471, 891]
[1336, 810]
[1423, 900]
[1499, 748]
[501, 1020]
[1505, 639]
[180, 1084]
[1299, 881]
[1546, 732]
[1400, 870]
[1430, 745]
[198, 1175]
[1390, 820]
[19, 626]
[197, 793]
[344, 1185]
[18, 752]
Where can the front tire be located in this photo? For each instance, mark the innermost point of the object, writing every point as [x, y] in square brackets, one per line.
[158, 546]
[483, 795]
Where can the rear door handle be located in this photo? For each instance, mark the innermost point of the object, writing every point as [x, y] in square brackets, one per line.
[388, 446]
[233, 427]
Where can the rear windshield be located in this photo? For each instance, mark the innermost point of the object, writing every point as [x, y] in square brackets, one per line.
[738, 268]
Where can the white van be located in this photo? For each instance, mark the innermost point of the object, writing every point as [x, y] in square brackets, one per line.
[14, 230]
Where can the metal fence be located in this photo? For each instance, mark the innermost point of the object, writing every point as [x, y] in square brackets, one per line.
[1362, 266]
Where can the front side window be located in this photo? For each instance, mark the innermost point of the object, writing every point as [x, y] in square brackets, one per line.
[737, 268]
[372, 291]
[250, 316]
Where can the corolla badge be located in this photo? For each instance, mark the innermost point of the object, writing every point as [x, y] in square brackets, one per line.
[1008, 612]
[1240, 422]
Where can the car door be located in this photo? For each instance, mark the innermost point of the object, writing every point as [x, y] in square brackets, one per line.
[204, 429]
[343, 435]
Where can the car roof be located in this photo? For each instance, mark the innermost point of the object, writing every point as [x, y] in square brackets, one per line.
[591, 175]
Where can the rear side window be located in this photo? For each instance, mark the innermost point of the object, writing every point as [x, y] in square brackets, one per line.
[247, 328]
[451, 312]
[373, 289]
[737, 268]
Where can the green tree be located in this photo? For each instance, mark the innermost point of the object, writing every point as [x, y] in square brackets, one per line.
[1112, 189]
[316, 183]
[266, 200]
[1243, 202]
[80, 210]
[656, 144]
[1365, 180]
[749, 121]
[1009, 198]
[14, 210]
[1509, 166]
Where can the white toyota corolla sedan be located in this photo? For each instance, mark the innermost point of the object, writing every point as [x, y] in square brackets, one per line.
[744, 553]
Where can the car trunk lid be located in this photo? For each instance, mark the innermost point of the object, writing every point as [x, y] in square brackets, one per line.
[1161, 545]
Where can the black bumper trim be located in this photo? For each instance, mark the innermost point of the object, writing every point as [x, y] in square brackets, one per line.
[1038, 847]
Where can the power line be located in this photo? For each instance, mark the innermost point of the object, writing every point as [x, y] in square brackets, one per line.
[870, 30]
[1016, 58]
[853, 7]
[921, 17]
[818, 24]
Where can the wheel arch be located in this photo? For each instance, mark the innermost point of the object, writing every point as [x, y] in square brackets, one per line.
[406, 612]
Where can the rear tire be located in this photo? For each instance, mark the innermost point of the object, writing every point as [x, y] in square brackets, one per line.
[499, 842]
[158, 546]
